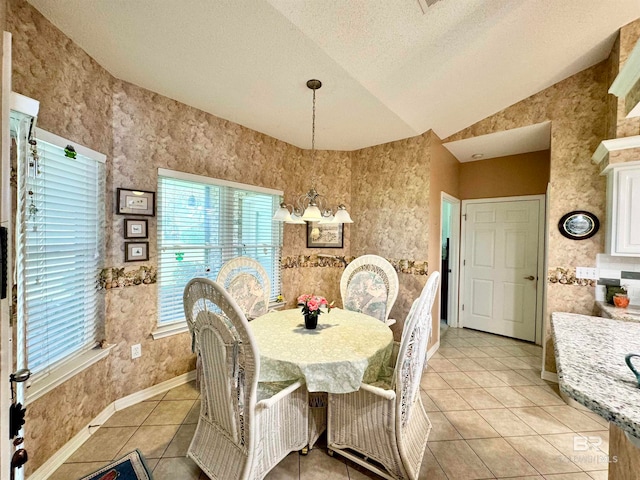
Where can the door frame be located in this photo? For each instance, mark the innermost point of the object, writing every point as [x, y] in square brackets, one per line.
[454, 261]
[541, 277]
[6, 329]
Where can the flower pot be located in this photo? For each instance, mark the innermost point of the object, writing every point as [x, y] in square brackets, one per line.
[620, 300]
[310, 321]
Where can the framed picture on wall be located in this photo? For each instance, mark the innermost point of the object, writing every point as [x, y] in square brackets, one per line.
[135, 228]
[325, 235]
[136, 251]
[136, 202]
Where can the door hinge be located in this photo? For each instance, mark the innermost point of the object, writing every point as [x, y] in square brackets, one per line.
[464, 262]
[463, 307]
[465, 216]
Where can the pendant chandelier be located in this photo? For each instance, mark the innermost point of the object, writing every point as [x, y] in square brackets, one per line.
[312, 206]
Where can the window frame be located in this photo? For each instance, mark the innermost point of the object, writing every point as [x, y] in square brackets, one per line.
[53, 373]
[167, 328]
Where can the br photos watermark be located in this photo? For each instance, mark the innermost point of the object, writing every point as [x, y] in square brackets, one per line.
[588, 450]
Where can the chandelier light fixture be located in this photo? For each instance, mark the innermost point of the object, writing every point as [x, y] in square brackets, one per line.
[312, 206]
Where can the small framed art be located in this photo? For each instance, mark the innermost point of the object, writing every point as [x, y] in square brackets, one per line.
[134, 228]
[136, 202]
[136, 251]
[324, 235]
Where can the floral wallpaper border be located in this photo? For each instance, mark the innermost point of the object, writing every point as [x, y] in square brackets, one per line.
[412, 267]
[123, 277]
[113, 277]
[146, 275]
[567, 276]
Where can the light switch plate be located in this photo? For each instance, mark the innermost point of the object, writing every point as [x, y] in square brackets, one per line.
[589, 273]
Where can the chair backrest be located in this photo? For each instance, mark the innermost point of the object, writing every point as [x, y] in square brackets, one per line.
[413, 350]
[230, 359]
[369, 285]
[248, 283]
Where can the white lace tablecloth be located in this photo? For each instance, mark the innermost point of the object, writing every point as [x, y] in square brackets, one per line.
[345, 349]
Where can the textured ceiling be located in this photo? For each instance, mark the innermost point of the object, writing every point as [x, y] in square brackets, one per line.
[389, 71]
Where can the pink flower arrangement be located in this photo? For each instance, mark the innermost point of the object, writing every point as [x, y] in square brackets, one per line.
[312, 304]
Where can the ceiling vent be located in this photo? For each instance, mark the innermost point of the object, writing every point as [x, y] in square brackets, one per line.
[425, 4]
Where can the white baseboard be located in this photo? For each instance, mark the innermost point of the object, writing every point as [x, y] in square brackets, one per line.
[433, 349]
[150, 392]
[61, 456]
[549, 376]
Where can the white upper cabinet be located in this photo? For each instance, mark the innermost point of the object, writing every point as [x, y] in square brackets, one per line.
[623, 210]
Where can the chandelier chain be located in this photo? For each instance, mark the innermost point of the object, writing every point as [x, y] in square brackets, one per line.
[313, 140]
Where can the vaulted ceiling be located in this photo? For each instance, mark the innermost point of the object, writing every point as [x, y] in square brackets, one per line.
[391, 69]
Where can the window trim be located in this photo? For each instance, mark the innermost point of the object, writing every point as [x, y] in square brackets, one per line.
[177, 328]
[64, 371]
[163, 172]
[63, 142]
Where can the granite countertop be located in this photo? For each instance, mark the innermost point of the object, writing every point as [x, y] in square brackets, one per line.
[629, 314]
[590, 355]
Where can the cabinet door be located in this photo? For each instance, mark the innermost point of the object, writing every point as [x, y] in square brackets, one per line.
[627, 214]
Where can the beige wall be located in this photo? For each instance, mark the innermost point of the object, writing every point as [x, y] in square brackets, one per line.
[524, 174]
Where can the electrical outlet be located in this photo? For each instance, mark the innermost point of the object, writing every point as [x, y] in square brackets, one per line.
[590, 273]
[136, 350]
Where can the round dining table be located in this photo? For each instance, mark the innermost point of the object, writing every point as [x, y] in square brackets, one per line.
[346, 349]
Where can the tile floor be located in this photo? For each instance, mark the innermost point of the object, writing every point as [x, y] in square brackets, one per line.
[492, 416]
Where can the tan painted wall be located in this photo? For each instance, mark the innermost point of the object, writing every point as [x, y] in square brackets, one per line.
[444, 174]
[524, 174]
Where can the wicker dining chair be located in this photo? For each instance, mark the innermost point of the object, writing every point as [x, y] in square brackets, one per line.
[386, 422]
[248, 283]
[245, 428]
[369, 284]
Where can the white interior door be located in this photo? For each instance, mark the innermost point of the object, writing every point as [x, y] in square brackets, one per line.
[450, 221]
[500, 266]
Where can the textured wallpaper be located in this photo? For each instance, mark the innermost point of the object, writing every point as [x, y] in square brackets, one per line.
[577, 109]
[390, 185]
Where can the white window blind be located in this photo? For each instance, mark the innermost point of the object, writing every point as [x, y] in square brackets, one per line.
[204, 222]
[60, 249]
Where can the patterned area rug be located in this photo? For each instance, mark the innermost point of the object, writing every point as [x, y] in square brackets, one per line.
[130, 467]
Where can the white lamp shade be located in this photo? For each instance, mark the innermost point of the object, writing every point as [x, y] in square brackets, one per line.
[342, 216]
[295, 219]
[281, 215]
[312, 214]
[327, 220]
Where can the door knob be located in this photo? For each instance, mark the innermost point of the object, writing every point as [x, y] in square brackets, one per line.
[530, 277]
